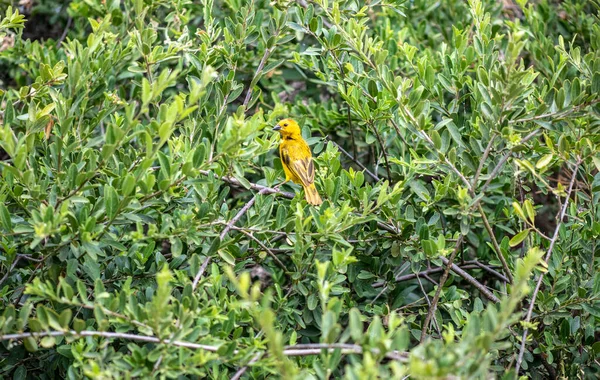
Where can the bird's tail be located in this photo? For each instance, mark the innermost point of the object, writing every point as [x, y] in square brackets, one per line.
[312, 195]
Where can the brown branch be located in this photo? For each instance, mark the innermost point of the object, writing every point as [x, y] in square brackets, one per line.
[316, 349]
[233, 181]
[557, 114]
[295, 350]
[503, 160]
[435, 323]
[486, 153]
[495, 244]
[459, 271]
[538, 285]
[12, 266]
[443, 279]
[200, 272]
[108, 334]
[241, 213]
[383, 151]
[243, 370]
[491, 270]
[261, 65]
[355, 160]
[267, 249]
[271, 190]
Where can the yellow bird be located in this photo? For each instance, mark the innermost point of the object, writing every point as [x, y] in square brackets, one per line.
[297, 160]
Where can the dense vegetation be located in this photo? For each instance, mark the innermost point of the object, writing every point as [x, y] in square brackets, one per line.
[142, 231]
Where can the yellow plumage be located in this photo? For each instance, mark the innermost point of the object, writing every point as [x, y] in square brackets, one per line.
[296, 159]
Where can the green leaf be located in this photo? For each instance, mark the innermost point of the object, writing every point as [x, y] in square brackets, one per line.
[518, 238]
[519, 210]
[128, 184]
[355, 325]
[5, 218]
[30, 344]
[111, 201]
[529, 210]
[544, 161]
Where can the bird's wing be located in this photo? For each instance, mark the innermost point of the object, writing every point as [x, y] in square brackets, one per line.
[303, 168]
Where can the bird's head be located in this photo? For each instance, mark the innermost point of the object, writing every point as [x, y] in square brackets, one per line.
[287, 127]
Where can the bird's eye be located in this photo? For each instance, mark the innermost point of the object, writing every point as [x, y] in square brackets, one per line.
[285, 125]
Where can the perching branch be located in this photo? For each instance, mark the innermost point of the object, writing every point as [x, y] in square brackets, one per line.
[538, 285]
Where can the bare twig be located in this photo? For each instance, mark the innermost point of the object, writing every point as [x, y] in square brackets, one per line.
[228, 227]
[459, 271]
[495, 244]
[435, 323]
[491, 270]
[315, 349]
[200, 272]
[538, 285]
[233, 181]
[64, 33]
[486, 153]
[264, 247]
[354, 159]
[443, 279]
[556, 115]
[109, 334]
[12, 266]
[241, 213]
[285, 194]
[261, 65]
[503, 160]
[295, 350]
[383, 150]
[243, 370]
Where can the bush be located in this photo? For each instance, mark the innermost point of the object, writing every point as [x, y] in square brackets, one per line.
[143, 232]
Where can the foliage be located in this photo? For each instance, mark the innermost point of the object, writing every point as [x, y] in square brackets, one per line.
[142, 232]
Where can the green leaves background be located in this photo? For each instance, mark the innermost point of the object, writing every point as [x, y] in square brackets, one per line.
[134, 238]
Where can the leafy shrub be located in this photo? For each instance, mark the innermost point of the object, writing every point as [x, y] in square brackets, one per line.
[456, 145]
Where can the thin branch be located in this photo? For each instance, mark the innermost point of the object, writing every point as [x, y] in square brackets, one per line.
[348, 110]
[495, 244]
[295, 350]
[486, 153]
[260, 67]
[383, 151]
[315, 349]
[435, 323]
[557, 114]
[264, 247]
[108, 334]
[13, 265]
[285, 194]
[491, 270]
[233, 181]
[241, 213]
[243, 370]
[355, 160]
[200, 272]
[443, 279]
[64, 33]
[459, 271]
[538, 285]
[503, 160]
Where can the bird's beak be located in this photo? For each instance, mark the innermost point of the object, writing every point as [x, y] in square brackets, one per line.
[277, 128]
